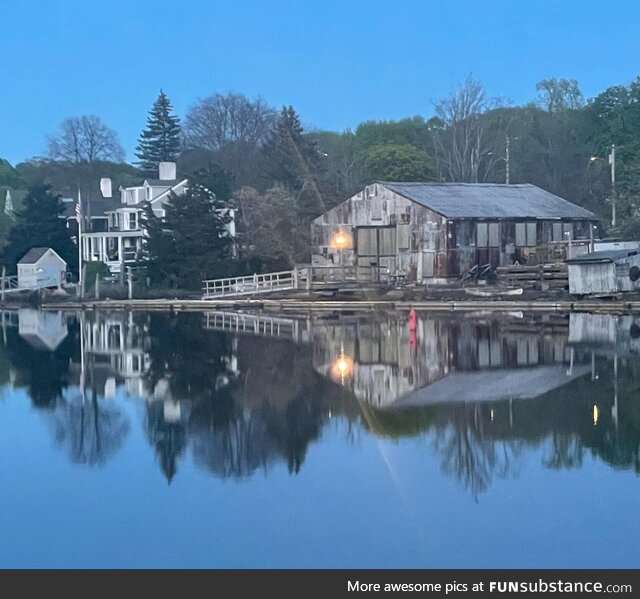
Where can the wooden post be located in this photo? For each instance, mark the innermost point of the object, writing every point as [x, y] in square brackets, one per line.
[4, 281]
[129, 283]
[96, 287]
[309, 278]
[295, 277]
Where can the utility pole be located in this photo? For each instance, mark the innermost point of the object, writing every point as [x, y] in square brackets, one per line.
[507, 159]
[612, 162]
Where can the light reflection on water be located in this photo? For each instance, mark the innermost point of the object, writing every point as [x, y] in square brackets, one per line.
[490, 416]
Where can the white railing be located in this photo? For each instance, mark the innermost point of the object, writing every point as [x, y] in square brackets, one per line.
[253, 324]
[257, 283]
[11, 282]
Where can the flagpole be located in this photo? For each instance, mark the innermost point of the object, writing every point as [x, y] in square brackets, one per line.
[79, 219]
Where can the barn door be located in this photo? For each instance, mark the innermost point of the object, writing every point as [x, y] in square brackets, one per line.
[375, 247]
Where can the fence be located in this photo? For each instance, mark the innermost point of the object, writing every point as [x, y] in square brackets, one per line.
[257, 283]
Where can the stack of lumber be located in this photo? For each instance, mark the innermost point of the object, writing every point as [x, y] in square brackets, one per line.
[542, 276]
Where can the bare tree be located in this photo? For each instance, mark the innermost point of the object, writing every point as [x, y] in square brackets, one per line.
[84, 139]
[233, 128]
[459, 132]
[220, 119]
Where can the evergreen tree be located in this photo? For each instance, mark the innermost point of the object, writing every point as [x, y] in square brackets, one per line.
[191, 242]
[39, 224]
[295, 162]
[160, 141]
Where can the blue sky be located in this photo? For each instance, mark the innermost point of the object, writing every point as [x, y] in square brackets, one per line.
[337, 62]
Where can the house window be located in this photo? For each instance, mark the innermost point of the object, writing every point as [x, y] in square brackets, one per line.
[526, 234]
[133, 220]
[482, 235]
[487, 235]
[463, 231]
[556, 234]
[567, 229]
[494, 235]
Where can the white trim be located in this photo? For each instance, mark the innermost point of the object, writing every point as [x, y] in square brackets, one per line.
[168, 191]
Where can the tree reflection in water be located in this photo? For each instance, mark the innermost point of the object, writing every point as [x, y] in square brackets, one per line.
[90, 430]
[252, 401]
[470, 454]
[241, 404]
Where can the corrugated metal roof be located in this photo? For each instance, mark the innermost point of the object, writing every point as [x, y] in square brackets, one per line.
[489, 200]
[602, 256]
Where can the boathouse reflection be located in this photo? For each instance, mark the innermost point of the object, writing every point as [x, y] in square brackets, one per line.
[244, 393]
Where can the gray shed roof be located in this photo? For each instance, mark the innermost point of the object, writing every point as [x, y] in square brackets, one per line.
[33, 255]
[602, 256]
[489, 200]
[492, 385]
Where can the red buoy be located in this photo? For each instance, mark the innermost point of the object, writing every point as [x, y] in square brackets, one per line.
[412, 320]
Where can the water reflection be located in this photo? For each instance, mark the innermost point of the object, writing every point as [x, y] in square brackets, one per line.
[242, 393]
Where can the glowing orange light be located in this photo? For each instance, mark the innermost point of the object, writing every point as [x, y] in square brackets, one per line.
[341, 239]
[342, 368]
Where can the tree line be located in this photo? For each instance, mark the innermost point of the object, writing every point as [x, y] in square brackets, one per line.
[280, 175]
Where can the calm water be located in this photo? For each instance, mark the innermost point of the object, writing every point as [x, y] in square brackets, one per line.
[152, 440]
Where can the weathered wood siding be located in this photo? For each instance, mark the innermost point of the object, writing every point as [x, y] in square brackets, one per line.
[420, 233]
[592, 278]
[428, 245]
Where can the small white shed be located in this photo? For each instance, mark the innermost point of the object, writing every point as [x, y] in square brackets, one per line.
[600, 272]
[41, 267]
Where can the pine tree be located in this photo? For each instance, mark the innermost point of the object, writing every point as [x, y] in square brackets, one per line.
[295, 162]
[190, 243]
[160, 141]
[39, 224]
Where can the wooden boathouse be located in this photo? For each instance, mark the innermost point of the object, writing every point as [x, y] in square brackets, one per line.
[438, 232]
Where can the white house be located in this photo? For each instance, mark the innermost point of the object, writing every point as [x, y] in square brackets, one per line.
[116, 233]
[41, 267]
[42, 330]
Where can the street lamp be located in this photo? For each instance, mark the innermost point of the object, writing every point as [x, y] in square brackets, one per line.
[612, 162]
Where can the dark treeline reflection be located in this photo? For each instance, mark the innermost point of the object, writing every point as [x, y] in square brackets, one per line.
[568, 386]
[242, 403]
[484, 390]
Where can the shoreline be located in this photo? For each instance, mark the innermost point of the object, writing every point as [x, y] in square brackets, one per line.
[297, 305]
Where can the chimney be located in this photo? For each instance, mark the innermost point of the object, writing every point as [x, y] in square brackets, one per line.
[105, 187]
[167, 171]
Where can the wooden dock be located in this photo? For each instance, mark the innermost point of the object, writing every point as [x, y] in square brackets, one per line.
[311, 306]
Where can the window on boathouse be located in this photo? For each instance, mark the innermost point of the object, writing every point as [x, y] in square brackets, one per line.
[487, 235]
